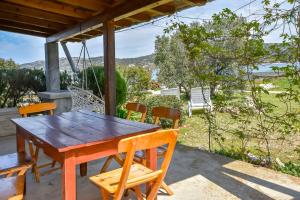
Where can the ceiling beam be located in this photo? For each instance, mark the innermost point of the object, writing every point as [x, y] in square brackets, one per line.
[144, 16]
[30, 12]
[119, 12]
[28, 27]
[124, 23]
[165, 9]
[94, 5]
[30, 20]
[197, 2]
[16, 30]
[53, 7]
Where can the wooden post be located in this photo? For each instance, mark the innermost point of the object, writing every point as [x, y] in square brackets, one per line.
[109, 67]
[52, 67]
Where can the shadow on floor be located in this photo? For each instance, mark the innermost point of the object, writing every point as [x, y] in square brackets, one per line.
[189, 162]
[193, 170]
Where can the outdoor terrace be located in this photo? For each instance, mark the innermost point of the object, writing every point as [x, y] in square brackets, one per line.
[194, 174]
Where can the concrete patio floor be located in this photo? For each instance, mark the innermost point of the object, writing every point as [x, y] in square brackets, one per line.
[193, 175]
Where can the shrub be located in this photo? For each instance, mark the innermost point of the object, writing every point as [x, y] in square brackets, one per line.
[138, 80]
[121, 112]
[290, 168]
[154, 85]
[121, 90]
[65, 80]
[15, 84]
[166, 101]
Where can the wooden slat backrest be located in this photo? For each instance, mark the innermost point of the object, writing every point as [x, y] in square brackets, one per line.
[144, 142]
[136, 107]
[167, 113]
[37, 108]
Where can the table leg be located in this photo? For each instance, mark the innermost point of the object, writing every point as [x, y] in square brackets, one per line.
[20, 141]
[68, 176]
[83, 169]
[151, 162]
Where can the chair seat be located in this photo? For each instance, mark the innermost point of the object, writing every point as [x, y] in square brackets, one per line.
[110, 180]
[12, 188]
[13, 160]
[195, 105]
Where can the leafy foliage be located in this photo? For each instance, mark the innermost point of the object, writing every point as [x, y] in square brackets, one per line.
[15, 84]
[173, 63]
[7, 64]
[121, 86]
[167, 101]
[65, 80]
[223, 55]
[138, 81]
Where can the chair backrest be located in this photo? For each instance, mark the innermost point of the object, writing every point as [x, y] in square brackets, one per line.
[200, 96]
[24, 111]
[167, 113]
[144, 142]
[136, 107]
[171, 91]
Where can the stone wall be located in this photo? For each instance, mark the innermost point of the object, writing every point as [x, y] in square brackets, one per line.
[6, 126]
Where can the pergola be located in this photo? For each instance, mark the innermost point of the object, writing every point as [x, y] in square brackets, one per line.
[77, 20]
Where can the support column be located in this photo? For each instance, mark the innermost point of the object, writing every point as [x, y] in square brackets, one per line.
[109, 67]
[52, 67]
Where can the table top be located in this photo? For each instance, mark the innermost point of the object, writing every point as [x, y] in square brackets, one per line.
[72, 130]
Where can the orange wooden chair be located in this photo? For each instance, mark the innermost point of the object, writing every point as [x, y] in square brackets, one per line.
[157, 114]
[13, 187]
[132, 174]
[131, 107]
[25, 111]
[136, 107]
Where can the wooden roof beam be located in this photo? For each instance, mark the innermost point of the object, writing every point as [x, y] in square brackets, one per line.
[94, 5]
[53, 7]
[20, 31]
[28, 27]
[30, 12]
[141, 17]
[117, 13]
[123, 23]
[196, 2]
[31, 21]
[165, 9]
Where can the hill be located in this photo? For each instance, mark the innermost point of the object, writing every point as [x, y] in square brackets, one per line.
[146, 61]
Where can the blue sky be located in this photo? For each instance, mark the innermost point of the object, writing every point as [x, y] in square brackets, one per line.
[131, 43]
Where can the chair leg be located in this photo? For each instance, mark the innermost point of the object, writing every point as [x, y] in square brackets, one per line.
[32, 155]
[167, 188]
[138, 192]
[104, 194]
[53, 164]
[119, 159]
[106, 164]
[35, 167]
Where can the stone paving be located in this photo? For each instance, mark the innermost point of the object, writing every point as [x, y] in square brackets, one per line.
[193, 175]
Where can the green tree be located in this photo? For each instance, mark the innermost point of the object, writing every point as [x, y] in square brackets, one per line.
[7, 64]
[65, 80]
[19, 83]
[172, 61]
[138, 80]
[121, 87]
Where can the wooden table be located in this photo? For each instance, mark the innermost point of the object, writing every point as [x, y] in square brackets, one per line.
[74, 138]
